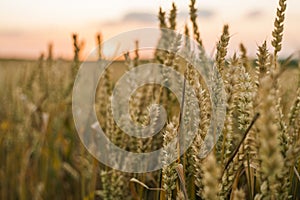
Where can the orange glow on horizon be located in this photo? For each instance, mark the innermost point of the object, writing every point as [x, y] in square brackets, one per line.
[21, 40]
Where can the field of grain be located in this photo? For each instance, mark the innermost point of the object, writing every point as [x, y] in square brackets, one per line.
[256, 156]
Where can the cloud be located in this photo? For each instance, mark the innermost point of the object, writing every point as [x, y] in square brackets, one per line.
[151, 17]
[11, 33]
[253, 14]
[140, 17]
[147, 17]
[202, 13]
[206, 13]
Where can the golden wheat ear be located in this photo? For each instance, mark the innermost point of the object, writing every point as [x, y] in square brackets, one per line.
[278, 27]
[211, 176]
[222, 49]
[193, 18]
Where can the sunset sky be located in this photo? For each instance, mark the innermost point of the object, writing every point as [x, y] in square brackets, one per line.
[26, 27]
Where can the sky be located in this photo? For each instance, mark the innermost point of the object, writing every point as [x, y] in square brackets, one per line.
[27, 27]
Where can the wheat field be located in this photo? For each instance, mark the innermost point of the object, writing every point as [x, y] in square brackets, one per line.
[256, 157]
